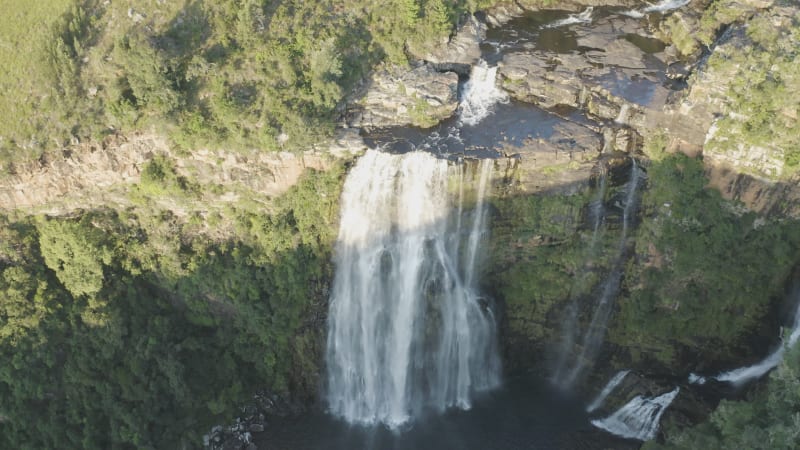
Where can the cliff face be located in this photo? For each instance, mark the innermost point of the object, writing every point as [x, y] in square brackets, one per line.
[744, 115]
[103, 174]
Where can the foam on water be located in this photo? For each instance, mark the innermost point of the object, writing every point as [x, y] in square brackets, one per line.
[639, 418]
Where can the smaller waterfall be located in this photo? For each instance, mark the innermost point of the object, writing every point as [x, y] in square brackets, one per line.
[584, 16]
[597, 214]
[607, 390]
[480, 94]
[598, 207]
[742, 375]
[595, 334]
[660, 7]
[639, 418]
[666, 5]
[624, 111]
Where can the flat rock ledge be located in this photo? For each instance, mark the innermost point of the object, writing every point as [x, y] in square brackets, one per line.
[420, 97]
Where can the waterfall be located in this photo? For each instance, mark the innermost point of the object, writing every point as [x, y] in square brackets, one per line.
[660, 7]
[639, 418]
[742, 375]
[479, 94]
[666, 5]
[408, 329]
[598, 207]
[597, 212]
[624, 111]
[595, 333]
[584, 16]
[607, 390]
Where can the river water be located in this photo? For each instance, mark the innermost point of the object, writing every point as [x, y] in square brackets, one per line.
[523, 414]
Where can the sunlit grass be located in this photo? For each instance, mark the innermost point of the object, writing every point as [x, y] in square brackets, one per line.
[25, 27]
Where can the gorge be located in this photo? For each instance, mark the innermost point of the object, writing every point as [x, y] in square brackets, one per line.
[341, 225]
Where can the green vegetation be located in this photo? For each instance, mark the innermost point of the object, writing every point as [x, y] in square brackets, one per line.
[127, 330]
[231, 73]
[767, 420]
[25, 75]
[540, 259]
[705, 274]
[765, 77]
[689, 34]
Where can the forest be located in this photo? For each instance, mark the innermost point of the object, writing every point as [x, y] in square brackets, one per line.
[141, 327]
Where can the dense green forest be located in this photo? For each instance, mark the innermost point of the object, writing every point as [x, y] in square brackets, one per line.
[120, 330]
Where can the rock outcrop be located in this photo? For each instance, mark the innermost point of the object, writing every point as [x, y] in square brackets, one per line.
[610, 78]
[560, 162]
[462, 51]
[421, 97]
[713, 117]
[101, 173]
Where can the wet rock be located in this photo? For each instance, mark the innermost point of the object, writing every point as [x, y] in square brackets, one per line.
[420, 97]
[562, 161]
[610, 78]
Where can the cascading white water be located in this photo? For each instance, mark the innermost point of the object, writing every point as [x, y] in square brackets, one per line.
[584, 16]
[666, 5]
[639, 418]
[408, 329]
[662, 6]
[607, 390]
[624, 111]
[598, 207]
[569, 330]
[479, 94]
[594, 335]
[742, 375]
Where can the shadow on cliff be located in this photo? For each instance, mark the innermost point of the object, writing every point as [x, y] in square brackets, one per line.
[702, 284]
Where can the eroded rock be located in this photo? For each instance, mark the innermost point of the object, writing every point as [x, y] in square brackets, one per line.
[610, 78]
[102, 173]
[421, 97]
[560, 162]
[462, 51]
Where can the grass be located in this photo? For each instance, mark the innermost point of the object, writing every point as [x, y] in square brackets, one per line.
[25, 27]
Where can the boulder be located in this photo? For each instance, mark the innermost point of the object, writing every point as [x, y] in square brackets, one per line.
[462, 51]
[421, 97]
[560, 161]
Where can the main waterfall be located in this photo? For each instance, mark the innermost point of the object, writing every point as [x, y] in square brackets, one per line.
[408, 328]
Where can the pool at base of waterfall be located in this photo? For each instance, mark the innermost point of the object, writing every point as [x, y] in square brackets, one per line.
[523, 414]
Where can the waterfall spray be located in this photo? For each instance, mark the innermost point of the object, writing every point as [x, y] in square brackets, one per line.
[408, 329]
[594, 335]
[639, 418]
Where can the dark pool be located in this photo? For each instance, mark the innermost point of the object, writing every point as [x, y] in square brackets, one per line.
[524, 414]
